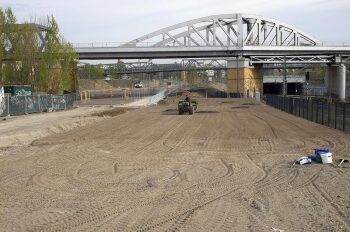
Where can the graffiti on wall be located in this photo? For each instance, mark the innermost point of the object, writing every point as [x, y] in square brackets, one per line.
[23, 92]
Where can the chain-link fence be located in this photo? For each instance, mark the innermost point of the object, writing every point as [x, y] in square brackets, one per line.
[117, 91]
[18, 105]
[319, 110]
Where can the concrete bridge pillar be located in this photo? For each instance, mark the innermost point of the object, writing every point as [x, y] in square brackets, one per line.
[341, 81]
[243, 79]
[335, 81]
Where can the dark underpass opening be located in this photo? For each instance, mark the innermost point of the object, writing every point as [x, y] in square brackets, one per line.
[294, 88]
[277, 88]
[273, 88]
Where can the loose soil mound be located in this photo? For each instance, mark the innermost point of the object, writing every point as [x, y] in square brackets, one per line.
[112, 113]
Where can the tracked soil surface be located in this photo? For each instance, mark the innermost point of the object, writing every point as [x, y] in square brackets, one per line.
[228, 167]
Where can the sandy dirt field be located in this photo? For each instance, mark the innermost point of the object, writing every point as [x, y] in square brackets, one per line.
[22, 130]
[226, 168]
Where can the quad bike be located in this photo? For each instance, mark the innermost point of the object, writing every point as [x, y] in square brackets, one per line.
[185, 106]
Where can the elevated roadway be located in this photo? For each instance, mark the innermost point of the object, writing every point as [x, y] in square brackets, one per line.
[103, 53]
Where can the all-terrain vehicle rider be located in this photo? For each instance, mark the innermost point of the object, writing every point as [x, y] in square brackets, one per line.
[187, 105]
[188, 99]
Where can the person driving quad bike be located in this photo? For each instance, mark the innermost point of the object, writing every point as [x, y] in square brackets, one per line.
[187, 99]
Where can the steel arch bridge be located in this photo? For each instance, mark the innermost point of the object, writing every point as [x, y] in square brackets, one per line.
[224, 31]
[227, 35]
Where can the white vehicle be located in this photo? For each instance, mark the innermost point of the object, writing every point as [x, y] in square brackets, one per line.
[138, 84]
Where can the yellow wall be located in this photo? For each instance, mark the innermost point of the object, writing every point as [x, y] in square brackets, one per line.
[248, 79]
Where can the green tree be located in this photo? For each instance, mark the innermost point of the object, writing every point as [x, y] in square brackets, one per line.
[2, 42]
[10, 46]
[317, 72]
[90, 71]
[28, 44]
[68, 70]
[57, 64]
[193, 76]
[113, 69]
[49, 64]
[52, 69]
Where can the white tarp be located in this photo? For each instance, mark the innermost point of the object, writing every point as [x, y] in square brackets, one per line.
[2, 101]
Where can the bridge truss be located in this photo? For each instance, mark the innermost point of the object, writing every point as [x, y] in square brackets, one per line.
[226, 30]
[270, 62]
[149, 67]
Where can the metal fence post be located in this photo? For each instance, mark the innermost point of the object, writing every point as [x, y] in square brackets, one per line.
[51, 102]
[322, 113]
[65, 102]
[317, 111]
[280, 103]
[284, 104]
[335, 115]
[39, 104]
[329, 113]
[306, 108]
[8, 105]
[312, 110]
[303, 100]
[347, 110]
[25, 104]
[344, 112]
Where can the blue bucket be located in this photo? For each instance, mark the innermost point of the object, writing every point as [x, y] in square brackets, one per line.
[321, 150]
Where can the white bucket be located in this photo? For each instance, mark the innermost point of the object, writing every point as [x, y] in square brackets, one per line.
[326, 158]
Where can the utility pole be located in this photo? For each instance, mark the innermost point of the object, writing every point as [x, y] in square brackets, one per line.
[237, 82]
[285, 77]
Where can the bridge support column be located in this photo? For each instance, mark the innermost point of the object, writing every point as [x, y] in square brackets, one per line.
[335, 81]
[243, 79]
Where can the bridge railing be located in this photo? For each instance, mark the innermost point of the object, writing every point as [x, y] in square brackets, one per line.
[140, 45]
[329, 113]
[97, 44]
[335, 44]
[196, 44]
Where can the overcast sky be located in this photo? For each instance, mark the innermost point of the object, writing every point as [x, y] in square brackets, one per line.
[83, 21]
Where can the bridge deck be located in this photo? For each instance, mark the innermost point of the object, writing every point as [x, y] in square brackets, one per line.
[194, 52]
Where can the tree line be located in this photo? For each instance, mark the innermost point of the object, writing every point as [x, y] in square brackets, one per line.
[25, 60]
